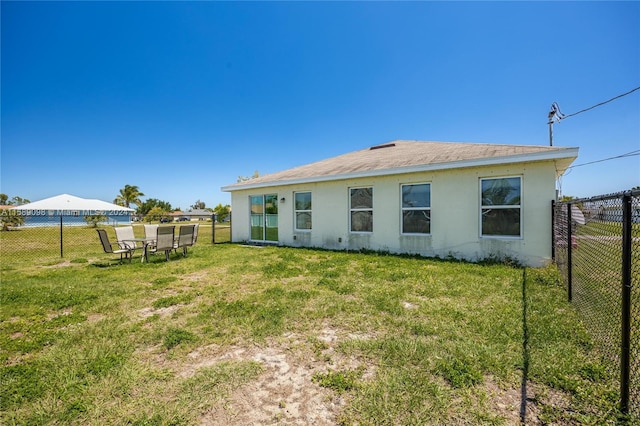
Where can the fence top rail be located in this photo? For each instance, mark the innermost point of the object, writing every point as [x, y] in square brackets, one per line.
[631, 192]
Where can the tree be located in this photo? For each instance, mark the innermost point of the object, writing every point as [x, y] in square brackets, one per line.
[93, 219]
[10, 217]
[245, 178]
[130, 194]
[155, 214]
[222, 212]
[18, 201]
[145, 207]
[15, 201]
[198, 205]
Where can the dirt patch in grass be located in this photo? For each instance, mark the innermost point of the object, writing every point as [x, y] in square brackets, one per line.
[57, 315]
[409, 305]
[162, 312]
[96, 317]
[508, 403]
[195, 276]
[60, 264]
[285, 393]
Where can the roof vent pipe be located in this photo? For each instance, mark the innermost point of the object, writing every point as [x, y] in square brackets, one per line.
[388, 145]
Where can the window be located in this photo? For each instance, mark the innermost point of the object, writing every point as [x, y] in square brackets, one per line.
[416, 208]
[361, 209]
[500, 211]
[302, 207]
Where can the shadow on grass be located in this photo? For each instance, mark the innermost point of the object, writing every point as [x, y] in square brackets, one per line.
[104, 265]
[108, 264]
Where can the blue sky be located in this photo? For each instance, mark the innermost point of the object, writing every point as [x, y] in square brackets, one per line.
[181, 98]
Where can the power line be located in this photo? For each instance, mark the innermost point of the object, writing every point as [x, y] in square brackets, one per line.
[557, 114]
[628, 154]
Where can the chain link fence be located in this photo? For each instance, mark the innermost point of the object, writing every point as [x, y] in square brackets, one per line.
[38, 239]
[596, 246]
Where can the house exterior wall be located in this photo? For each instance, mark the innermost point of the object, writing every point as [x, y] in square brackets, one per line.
[455, 214]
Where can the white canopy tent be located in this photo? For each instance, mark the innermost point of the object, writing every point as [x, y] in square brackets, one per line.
[71, 209]
[70, 202]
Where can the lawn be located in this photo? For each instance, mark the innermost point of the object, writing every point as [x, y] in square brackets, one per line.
[234, 334]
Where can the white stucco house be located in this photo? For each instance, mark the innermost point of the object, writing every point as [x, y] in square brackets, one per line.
[466, 200]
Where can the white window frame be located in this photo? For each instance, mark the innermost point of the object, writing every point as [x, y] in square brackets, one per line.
[368, 209]
[403, 209]
[505, 206]
[296, 211]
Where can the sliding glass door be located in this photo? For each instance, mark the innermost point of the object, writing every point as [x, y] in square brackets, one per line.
[264, 217]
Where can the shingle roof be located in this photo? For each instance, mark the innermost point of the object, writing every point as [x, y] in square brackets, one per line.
[199, 212]
[410, 156]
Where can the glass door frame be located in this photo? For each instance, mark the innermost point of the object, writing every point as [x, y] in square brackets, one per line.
[263, 218]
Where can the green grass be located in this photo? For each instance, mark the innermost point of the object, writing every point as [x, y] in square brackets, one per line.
[338, 381]
[401, 340]
[26, 246]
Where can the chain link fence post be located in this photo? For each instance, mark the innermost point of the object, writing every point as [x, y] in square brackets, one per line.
[553, 230]
[213, 228]
[569, 254]
[61, 240]
[625, 344]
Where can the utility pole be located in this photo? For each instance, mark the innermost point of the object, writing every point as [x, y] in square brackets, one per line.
[550, 128]
[554, 114]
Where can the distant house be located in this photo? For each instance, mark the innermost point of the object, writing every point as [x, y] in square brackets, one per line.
[72, 210]
[199, 214]
[178, 216]
[192, 214]
[466, 200]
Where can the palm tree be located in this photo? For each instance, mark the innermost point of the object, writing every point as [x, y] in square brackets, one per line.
[130, 194]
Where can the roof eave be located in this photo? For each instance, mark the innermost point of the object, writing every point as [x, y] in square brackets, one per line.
[568, 154]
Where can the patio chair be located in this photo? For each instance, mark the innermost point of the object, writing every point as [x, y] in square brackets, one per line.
[185, 238]
[126, 237]
[164, 241]
[151, 231]
[108, 247]
[195, 233]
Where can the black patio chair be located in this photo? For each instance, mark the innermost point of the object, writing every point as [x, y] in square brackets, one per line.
[108, 247]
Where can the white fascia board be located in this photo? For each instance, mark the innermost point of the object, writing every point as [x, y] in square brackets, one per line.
[492, 161]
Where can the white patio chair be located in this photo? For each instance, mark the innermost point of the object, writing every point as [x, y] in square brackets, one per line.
[151, 231]
[126, 237]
